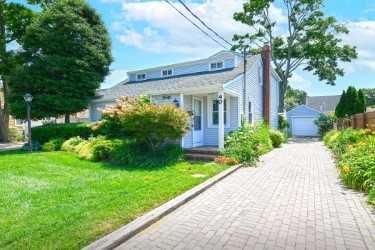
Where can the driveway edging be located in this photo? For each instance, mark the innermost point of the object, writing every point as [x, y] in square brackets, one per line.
[129, 230]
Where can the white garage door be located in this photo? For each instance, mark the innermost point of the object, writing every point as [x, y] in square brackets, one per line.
[304, 126]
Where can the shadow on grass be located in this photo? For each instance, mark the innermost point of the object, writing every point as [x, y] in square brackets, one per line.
[140, 161]
[15, 152]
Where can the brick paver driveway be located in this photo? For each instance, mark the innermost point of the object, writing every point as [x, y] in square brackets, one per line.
[293, 200]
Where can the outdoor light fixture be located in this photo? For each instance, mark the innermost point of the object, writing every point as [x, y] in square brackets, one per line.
[28, 99]
[176, 102]
[220, 99]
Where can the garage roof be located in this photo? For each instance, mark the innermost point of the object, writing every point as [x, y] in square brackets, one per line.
[303, 110]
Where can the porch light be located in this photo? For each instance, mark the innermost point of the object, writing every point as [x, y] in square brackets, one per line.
[176, 102]
[220, 98]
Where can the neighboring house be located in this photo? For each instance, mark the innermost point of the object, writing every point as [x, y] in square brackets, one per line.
[211, 90]
[13, 123]
[301, 118]
[20, 125]
[325, 104]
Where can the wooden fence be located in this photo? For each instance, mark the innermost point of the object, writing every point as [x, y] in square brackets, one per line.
[358, 121]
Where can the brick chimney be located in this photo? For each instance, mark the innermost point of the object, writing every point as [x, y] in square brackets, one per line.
[266, 57]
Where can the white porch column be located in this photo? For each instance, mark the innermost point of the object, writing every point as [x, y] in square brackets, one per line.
[182, 107]
[220, 98]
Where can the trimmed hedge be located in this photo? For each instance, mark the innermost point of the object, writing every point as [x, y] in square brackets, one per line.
[277, 138]
[45, 133]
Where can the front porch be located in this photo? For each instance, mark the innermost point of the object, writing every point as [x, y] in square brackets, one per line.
[212, 116]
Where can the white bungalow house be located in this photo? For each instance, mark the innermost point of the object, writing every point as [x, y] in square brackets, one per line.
[211, 90]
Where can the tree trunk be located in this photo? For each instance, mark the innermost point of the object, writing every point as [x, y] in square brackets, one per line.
[282, 92]
[4, 114]
[67, 118]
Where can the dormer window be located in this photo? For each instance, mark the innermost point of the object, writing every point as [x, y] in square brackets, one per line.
[216, 66]
[141, 77]
[166, 72]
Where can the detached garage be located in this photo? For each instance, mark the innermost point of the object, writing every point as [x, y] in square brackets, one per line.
[301, 120]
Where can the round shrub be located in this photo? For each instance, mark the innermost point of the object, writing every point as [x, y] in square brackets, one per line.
[97, 149]
[71, 144]
[325, 123]
[277, 138]
[53, 145]
[242, 145]
[146, 123]
[262, 135]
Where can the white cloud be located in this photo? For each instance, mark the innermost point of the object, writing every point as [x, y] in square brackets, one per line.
[115, 76]
[156, 27]
[299, 82]
[362, 35]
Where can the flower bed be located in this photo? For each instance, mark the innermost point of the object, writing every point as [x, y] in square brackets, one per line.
[355, 153]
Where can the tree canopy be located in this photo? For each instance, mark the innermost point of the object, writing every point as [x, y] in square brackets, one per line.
[14, 19]
[67, 54]
[294, 97]
[309, 40]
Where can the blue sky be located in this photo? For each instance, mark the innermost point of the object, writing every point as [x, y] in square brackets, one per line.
[150, 33]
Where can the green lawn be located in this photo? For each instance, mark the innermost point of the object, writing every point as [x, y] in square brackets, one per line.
[56, 201]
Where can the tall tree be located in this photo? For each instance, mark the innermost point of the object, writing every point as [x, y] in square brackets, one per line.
[310, 39]
[340, 108]
[14, 18]
[351, 99]
[361, 102]
[68, 53]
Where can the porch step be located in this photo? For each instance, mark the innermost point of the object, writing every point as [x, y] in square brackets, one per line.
[200, 157]
[201, 154]
[203, 150]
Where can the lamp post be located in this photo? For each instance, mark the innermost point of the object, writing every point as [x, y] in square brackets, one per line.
[28, 99]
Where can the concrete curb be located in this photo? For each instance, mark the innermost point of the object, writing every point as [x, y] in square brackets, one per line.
[124, 233]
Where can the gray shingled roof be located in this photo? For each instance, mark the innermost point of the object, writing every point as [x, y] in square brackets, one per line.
[178, 84]
[324, 104]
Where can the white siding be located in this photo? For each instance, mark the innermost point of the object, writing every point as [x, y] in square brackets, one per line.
[96, 110]
[188, 139]
[211, 133]
[274, 102]
[255, 92]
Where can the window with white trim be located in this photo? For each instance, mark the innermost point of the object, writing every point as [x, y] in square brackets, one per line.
[18, 122]
[250, 114]
[166, 72]
[216, 65]
[141, 77]
[215, 112]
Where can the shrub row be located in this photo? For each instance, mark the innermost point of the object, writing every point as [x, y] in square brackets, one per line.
[355, 152]
[249, 142]
[119, 151]
[45, 133]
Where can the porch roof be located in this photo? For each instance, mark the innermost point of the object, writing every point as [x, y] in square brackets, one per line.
[206, 81]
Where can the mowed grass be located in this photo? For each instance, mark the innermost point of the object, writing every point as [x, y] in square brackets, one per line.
[57, 201]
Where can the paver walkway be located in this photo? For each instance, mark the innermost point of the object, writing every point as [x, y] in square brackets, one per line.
[293, 200]
[10, 146]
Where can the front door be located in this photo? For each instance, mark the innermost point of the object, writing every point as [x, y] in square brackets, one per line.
[197, 122]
